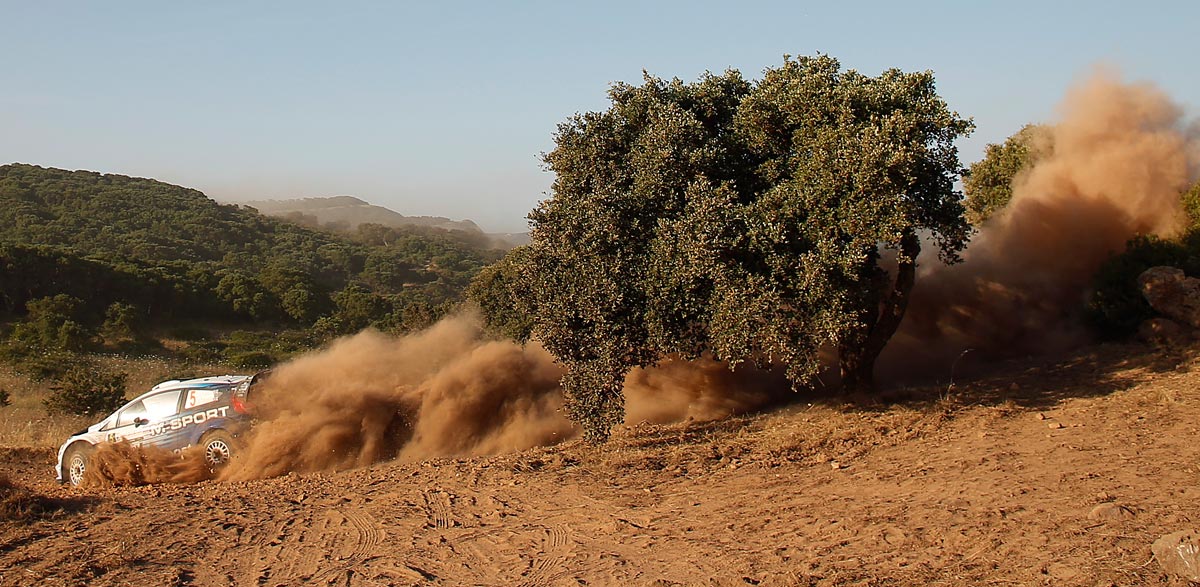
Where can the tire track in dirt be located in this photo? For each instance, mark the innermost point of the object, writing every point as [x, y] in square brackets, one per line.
[550, 565]
[315, 544]
[362, 535]
[440, 509]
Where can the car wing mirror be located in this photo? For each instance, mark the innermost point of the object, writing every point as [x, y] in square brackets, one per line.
[139, 422]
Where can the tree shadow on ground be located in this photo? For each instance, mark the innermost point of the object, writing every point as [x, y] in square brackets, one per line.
[1043, 382]
[1034, 383]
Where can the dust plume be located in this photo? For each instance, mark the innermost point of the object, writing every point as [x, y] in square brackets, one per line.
[123, 464]
[1120, 157]
[372, 397]
[448, 391]
[700, 390]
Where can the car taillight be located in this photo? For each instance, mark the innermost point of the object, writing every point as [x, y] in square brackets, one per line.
[239, 406]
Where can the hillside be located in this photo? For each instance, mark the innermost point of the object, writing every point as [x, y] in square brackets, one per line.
[1042, 474]
[172, 252]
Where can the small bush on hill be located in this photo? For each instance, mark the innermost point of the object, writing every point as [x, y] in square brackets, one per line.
[87, 391]
[122, 322]
[54, 323]
[38, 364]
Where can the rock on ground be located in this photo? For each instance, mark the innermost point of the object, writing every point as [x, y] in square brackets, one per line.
[1172, 294]
[1179, 554]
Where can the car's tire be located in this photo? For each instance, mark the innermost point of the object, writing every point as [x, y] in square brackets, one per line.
[218, 448]
[76, 461]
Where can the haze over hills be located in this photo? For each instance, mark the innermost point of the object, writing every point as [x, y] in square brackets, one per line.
[353, 211]
[348, 212]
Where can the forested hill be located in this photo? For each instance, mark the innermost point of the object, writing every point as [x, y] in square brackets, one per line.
[171, 252]
[136, 218]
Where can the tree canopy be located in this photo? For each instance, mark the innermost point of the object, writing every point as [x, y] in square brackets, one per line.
[988, 184]
[743, 219]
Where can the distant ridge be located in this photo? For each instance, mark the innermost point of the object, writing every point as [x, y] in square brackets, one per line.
[351, 211]
[348, 212]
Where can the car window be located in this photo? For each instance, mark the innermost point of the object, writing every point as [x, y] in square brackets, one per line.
[200, 397]
[152, 408]
[131, 412]
[162, 405]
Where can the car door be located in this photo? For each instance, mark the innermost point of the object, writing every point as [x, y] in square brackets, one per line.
[144, 421]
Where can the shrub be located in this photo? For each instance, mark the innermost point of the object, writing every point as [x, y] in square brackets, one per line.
[1117, 306]
[87, 391]
[121, 322]
[54, 323]
[1191, 206]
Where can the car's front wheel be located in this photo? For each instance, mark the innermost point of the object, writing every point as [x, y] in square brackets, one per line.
[219, 448]
[75, 462]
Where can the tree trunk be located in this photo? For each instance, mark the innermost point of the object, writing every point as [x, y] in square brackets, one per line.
[857, 356]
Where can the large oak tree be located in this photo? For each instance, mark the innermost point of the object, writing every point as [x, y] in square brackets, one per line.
[743, 219]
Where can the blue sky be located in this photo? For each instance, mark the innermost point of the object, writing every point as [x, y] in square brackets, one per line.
[442, 108]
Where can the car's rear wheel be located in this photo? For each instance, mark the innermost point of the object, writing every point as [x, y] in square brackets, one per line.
[219, 448]
[75, 462]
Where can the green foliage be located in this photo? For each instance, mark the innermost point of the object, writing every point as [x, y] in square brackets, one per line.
[122, 322]
[736, 218]
[246, 295]
[87, 390]
[988, 183]
[1191, 206]
[358, 307]
[1117, 305]
[506, 308]
[38, 364]
[54, 323]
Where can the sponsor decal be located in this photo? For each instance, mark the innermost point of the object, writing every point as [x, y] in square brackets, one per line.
[181, 422]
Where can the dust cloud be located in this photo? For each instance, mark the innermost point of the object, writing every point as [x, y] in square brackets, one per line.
[371, 397]
[448, 391]
[123, 464]
[1116, 165]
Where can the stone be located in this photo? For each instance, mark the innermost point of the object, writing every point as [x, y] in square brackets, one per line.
[1162, 331]
[1172, 294]
[1110, 511]
[1178, 553]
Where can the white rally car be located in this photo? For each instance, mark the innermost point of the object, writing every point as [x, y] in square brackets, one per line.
[211, 412]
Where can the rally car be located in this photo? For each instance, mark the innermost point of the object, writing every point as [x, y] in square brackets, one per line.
[211, 412]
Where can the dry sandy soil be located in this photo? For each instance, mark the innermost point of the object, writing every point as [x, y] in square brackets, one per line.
[1057, 473]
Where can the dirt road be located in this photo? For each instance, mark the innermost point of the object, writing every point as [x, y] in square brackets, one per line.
[1051, 475]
